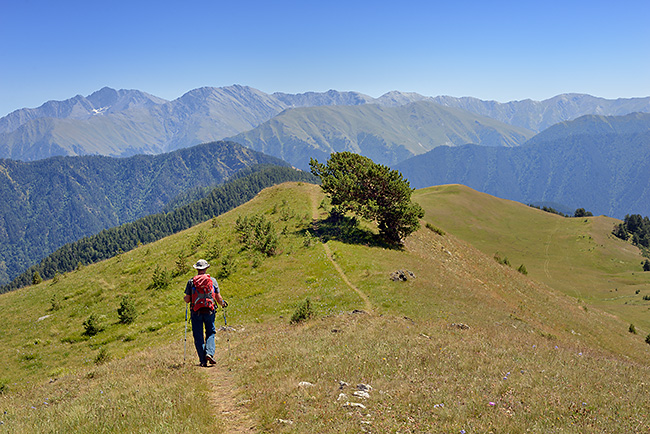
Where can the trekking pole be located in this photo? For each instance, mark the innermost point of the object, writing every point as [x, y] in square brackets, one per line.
[225, 323]
[185, 343]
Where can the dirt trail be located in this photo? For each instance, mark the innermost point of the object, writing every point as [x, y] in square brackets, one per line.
[230, 414]
[328, 252]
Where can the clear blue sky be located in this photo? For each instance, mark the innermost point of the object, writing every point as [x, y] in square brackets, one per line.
[495, 50]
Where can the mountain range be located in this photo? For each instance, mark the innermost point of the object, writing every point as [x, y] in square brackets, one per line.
[597, 162]
[539, 115]
[386, 134]
[600, 163]
[128, 122]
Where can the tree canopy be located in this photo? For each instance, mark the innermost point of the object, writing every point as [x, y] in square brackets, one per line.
[634, 227]
[356, 184]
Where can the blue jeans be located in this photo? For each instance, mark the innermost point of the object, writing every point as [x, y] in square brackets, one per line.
[204, 346]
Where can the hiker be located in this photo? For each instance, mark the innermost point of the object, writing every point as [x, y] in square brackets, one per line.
[202, 291]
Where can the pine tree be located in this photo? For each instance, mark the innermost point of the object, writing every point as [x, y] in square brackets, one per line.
[356, 184]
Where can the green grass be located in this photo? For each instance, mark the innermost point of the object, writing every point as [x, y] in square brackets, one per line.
[548, 361]
[577, 256]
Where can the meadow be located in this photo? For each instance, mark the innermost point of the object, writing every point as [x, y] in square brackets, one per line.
[577, 256]
[466, 345]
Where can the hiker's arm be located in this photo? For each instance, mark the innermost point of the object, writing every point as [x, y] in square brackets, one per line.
[217, 294]
[188, 293]
[219, 299]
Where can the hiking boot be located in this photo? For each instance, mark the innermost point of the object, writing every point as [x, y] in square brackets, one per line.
[211, 359]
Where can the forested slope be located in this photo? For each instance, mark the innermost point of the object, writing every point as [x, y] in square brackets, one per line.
[113, 241]
[48, 203]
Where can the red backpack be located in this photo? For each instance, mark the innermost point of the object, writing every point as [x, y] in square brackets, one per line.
[203, 293]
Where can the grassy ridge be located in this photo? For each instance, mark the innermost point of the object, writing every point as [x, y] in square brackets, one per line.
[532, 358]
[577, 256]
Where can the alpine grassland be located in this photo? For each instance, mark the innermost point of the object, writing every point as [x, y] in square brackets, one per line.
[463, 345]
[577, 256]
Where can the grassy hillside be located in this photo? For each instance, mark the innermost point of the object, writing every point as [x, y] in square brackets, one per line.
[52, 202]
[577, 256]
[468, 345]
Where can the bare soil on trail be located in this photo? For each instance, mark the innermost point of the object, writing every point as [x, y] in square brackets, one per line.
[231, 414]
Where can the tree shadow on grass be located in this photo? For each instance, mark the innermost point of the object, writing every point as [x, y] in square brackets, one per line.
[348, 230]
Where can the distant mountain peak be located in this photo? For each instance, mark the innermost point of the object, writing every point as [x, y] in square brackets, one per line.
[396, 98]
[125, 122]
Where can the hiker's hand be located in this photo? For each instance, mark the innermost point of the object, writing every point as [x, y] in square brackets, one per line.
[225, 304]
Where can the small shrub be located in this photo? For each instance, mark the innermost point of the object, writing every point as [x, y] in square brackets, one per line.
[92, 325]
[214, 223]
[215, 250]
[154, 327]
[228, 266]
[55, 302]
[257, 233]
[257, 261]
[160, 279]
[127, 312]
[303, 312]
[435, 229]
[522, 269]
[500, 260]
[647, 339]
[308, 241]
[28, 357]
[181, 265]
[4, 386]
[646, 265]
[102, 356]
[198, 241]
[36, 278]
[632, 329]
[646, 297]
[286, 214]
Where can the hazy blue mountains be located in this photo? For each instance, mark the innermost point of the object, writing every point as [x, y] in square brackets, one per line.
[104, 101]
[539, 115]
[600, 163]
[387, 134]
[51, 202]
[124, 123]
[129, 122]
